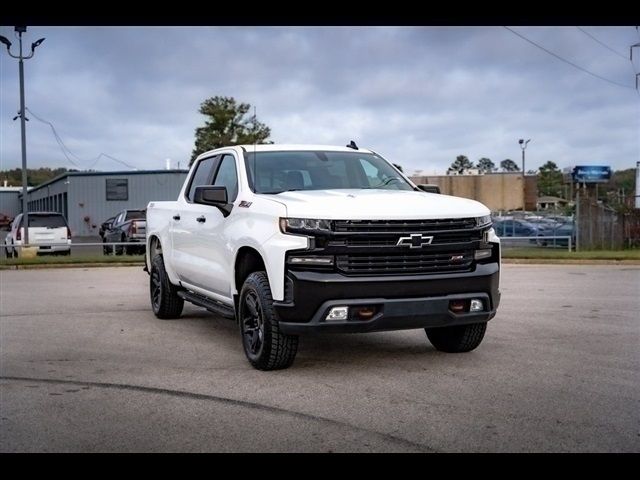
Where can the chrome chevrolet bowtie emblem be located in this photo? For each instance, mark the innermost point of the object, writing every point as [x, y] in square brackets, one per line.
[415, 240]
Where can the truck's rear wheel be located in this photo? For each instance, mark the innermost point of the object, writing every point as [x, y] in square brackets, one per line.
[265, 346]
[457, 339]
[165, 301]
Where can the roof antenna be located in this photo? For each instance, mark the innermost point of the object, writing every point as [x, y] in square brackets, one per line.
[353, 145]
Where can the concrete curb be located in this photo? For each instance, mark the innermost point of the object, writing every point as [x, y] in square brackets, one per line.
[568, 261]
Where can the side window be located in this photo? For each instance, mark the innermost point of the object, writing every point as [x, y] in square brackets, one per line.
[227, 176]
[202, 175]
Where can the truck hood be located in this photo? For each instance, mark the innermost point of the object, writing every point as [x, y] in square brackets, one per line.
[358, 204]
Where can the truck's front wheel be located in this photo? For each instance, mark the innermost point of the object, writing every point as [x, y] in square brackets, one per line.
[457, 339]
[266, 347]
[165, 301]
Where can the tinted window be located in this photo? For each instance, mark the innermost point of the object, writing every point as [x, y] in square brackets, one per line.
[136, 214]
[202, 175]
[52, 221]
[227, 176]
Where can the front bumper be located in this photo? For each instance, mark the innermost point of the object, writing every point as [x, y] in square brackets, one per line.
[401, 302]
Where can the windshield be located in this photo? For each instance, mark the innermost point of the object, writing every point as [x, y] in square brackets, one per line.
[277, 172]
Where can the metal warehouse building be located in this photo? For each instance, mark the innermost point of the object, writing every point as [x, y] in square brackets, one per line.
[88, 198]
[10, 200]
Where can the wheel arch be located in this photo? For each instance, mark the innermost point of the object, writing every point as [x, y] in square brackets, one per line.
[248, 260]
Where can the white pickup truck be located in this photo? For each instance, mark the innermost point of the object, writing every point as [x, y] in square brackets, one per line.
[296, 239]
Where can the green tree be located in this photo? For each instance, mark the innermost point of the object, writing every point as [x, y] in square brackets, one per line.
[550, 180]
[35, 176]
[461, 163]
[485, 165]
[509, 165]
[226, 124]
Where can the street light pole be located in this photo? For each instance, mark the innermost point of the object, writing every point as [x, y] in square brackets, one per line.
[523, 146]
[25, 206]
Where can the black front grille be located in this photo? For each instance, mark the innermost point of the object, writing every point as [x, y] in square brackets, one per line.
[391, 240]
[405, 263]
[403, 226]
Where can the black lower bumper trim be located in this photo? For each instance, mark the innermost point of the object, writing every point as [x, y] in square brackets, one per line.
[399, 302]
[399, 314]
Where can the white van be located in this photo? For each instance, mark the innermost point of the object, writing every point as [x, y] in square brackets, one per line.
[47, 230]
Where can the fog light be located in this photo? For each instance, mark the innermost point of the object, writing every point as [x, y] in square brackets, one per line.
[476, 305]
[338, 313]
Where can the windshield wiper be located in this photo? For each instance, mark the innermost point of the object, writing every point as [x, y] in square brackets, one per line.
[282, 191]
[386, 182]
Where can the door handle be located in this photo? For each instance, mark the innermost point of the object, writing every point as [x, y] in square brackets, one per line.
[176, 217]
[201, 219]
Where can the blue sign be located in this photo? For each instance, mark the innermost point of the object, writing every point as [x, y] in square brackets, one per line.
[591, 174]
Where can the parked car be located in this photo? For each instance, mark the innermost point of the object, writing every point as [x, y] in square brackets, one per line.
[48, 230]
[104, 226]
[128, 226]
[516, 228]
[560, 230]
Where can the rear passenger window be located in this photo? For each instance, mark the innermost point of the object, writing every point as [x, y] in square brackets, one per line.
[202, 175]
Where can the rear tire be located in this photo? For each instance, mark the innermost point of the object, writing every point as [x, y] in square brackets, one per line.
[265, 346]
[165, 302]
[457, 339]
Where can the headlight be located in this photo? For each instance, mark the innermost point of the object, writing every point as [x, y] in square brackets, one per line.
[482, 221]
[304, 225]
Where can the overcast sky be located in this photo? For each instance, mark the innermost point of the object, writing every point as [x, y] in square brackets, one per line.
[418, 96]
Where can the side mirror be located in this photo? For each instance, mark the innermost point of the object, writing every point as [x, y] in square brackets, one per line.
[214, 196]
[429, 188]
[210, 195]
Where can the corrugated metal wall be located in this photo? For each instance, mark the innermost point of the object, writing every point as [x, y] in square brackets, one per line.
[83, 198]
[10, 203]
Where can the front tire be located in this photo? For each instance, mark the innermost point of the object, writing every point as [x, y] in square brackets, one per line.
[457, 339]
[265, 346]
[165, 302]
[106, 250]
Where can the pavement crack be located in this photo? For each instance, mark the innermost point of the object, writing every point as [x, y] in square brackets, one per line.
[227, 401]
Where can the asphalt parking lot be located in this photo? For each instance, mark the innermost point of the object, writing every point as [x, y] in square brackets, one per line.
[85, 367]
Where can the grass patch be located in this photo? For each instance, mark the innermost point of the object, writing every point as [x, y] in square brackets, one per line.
[550, 253]
[57, 260]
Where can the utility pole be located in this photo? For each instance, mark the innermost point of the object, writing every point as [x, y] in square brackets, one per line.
[25, 206]
[637, 198]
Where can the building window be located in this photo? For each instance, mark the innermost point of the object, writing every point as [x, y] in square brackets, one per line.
[117, 189]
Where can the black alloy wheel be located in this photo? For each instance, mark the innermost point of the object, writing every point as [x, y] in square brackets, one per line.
[252, 325]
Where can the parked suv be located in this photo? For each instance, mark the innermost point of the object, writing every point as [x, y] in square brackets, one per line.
[48, 231]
